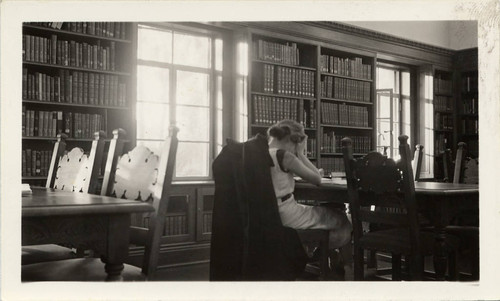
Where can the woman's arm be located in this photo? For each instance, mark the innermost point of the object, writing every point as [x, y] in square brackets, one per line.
[301, 166]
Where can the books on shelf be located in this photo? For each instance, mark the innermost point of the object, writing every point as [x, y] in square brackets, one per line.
[52, 123]
[55, 51]
[470, 126]
[443, 103]
[442, 85]
[330, 165]
[331, 143]
[207, 222]
[268, 110]
[285, 81]
[470, 106]
[345, 66]
[283, 53]
[175, 225]
[469, 84]
[443, 121]
[312, 146]
[347, 89]
[343, 114]
[440, 143]
[35, 162]
[115, 30]
[74, 87]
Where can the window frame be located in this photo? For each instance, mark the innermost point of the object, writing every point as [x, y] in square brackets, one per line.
[213, 75]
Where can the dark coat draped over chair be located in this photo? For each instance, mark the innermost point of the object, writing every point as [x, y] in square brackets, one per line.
[249, 241]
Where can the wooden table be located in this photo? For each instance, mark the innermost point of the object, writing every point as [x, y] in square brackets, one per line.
[83, 221]
[438, 201]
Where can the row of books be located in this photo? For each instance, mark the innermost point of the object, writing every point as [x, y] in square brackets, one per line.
[285, 81]
[442, 86]
[470, 106]
[69, 53]
[345, 66]
[270, 109]
[347, 89]
[332, 143]
[35, 162]
[469, 84]
[443, 103]
[308, 116]
[52, 123]
[176, 225]
[443, 121]
[282, 53]
[330, 165]
[440, 143]
[74, 87]
[207, 222]
[117, 30]
[312, 147]
[343, 114]
[470, 126]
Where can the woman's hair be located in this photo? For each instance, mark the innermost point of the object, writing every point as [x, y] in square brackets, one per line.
[287, 128]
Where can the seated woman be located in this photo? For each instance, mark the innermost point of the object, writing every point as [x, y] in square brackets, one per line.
[287, 145]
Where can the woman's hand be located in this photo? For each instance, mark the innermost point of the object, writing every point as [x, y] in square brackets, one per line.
[302, 147]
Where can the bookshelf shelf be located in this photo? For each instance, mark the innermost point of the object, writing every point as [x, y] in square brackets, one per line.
[346, 77]
[347, 127]
[68, 33]
[284, 65]
[443, 94]
[76, 80]
[347, 101]
[76, 105]
[340, 154]
[283, 95]
[54, 66]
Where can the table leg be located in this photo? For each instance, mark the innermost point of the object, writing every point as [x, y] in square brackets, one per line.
[440, 255]
[118, 245]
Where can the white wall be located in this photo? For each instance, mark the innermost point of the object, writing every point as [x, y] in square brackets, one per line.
[448, 34]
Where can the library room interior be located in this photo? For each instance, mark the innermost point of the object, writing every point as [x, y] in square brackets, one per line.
[250, 151]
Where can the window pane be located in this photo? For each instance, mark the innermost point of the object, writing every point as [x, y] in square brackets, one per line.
[152, 120]
[193, 123]
[193, 88]
[154, 45]
[152, 84]
[405, 83]
[191, 50]
[192, 160]
[218, 55]
[154, 146]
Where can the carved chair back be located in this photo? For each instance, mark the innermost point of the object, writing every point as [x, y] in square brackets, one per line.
[376, 181]
[75, 170]
[143, 176]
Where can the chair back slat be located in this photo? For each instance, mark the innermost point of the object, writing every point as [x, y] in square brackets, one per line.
[386, 217]
[417, 161]
[447, 165]
[459, 160]
[57, 153]
[114, 151]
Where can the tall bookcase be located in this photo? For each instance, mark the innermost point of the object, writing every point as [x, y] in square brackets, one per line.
[444, 119]
[76, 80]
[468, 100]
[327, 88]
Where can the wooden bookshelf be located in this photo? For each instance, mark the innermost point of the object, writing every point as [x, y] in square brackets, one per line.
[329, 91]
[76, 80]
[444, 119]
[468, 100]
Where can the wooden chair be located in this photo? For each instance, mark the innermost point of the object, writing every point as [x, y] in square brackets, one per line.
[320, 238]
[139, 175]
[447, 165]
[70, 171]
[376, 180]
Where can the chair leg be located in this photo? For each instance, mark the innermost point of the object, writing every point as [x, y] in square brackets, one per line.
[416, 267]
[396, 267]
[453, 265]
[323, 260]
[372, 259]
[359, 263]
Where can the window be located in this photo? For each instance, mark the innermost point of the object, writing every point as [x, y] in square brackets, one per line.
[179, 82]
[393, 108]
